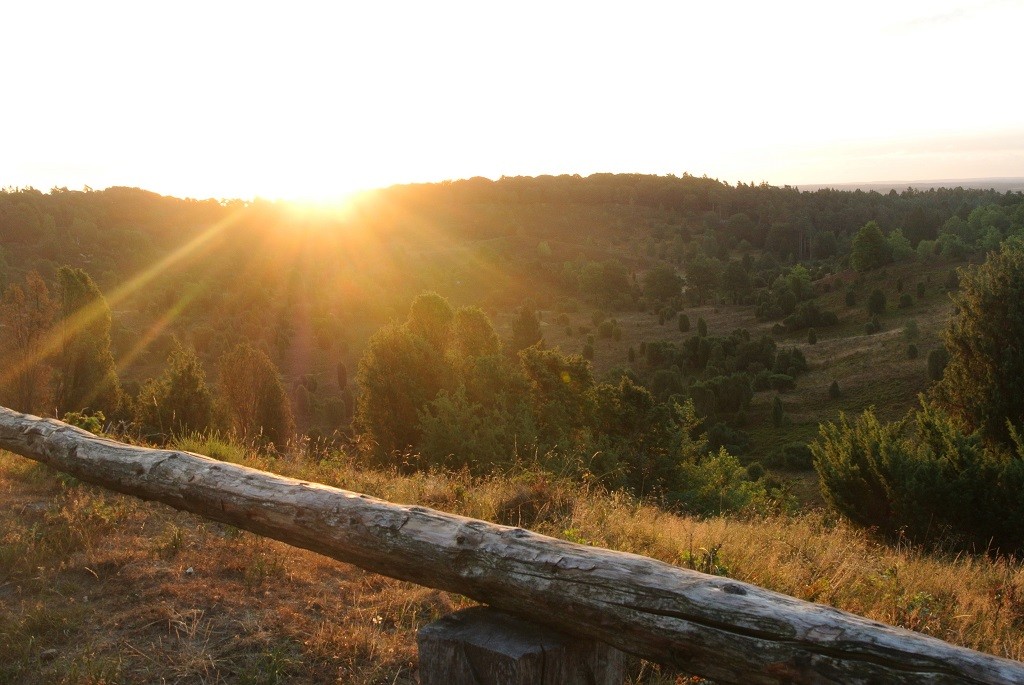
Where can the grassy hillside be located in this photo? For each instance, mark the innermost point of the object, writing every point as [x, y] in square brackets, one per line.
[102, 588]
[873, 370]
[98, 588]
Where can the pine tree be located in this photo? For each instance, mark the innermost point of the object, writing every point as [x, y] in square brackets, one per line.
[254, 396]
[398, 375]
[178, 402]
[876, 302]
[26, 317]
[983, 383]
[525, 328]
[87, 378]
[778, 412]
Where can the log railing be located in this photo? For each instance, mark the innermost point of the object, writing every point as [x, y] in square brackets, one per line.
[706, 625]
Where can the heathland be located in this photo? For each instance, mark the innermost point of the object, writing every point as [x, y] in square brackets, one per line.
[790, 388]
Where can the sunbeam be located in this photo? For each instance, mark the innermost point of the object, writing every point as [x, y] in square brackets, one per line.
[78, 321]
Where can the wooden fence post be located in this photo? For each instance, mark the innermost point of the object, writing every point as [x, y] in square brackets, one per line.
[484, 646]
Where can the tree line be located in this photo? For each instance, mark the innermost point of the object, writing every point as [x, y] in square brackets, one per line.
[58, 361]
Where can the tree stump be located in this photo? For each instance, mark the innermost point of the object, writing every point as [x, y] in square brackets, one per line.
[484, 646]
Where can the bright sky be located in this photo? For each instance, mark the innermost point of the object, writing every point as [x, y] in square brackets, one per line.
[309, 100]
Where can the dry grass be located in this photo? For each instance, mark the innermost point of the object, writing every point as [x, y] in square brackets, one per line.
[101, 588]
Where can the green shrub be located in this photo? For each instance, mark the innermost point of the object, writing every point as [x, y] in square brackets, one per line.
[923, 478]
[92, 422]
[458, 433]
[952, 280]
[722, 435]
[911, 351]
[812, 337]
[717, 483]
[790, 361]
[795, 456]
[876, 302]
[778, 413]
[834, 392]
[809, 315]
[179, 401]
[606, 329]
[937, 361]
[779, 382]
[684, 323]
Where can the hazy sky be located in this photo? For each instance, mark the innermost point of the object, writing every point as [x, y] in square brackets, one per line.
[313, 99]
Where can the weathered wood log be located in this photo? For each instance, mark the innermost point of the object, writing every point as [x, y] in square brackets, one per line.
[710, 626]
[484, 646]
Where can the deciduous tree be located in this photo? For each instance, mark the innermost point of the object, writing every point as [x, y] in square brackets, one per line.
[661, 283]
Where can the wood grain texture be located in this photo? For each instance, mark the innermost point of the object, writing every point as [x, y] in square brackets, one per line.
[484, 646]
[715, 627]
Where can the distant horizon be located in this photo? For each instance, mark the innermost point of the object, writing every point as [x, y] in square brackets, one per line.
[1002, 183]
[314, 101]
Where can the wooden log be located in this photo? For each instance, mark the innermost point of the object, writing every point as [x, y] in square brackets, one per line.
[484, 646]
[714, 627]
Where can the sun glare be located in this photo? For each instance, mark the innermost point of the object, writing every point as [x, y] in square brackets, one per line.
[322, 211]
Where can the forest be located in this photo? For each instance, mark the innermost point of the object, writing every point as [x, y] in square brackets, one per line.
[744, 353]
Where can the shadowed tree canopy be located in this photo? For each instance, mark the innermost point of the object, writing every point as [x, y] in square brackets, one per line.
[472, 334]
[254, 396]
[399, 373]
[525, 327]
[179, 401]
[870, 249]
[26, 315]
[87, 377]
[661, 282]
[430, 317]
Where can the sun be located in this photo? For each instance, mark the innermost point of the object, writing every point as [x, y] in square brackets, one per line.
[322, 210]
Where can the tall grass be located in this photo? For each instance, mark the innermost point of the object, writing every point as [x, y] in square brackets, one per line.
[100, 588]
[971, 600]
